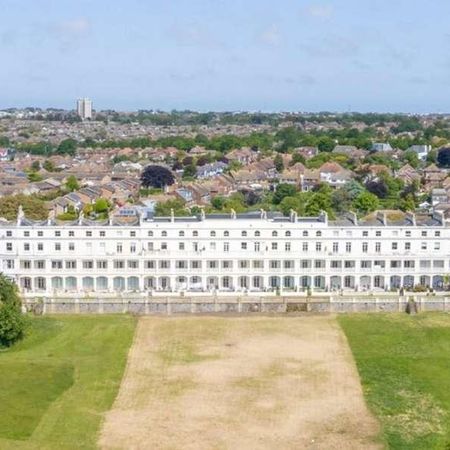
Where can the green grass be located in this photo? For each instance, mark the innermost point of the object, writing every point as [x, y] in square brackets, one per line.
[404, 365]
[58, 381]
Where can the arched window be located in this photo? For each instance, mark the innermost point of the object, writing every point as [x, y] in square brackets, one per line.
[274, 234]
[226, 233]
[318, 233]
[305, 233]
[164, 234]
[212, 234]
[195, 233]
[288, 234]
[257, 233]
[244, 234]
[150, 233]
[181, 233]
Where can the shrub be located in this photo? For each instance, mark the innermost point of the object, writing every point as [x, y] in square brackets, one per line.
[12, 322]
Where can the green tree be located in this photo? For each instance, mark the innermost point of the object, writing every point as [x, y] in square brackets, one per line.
[294, 203]
[189, 171]
[411, 158]
[283, 190]
[33, 207]
[36, 166]
[12, 322]
[67, 147]
[48, 166]
[218, 202]
[366, 202]
[72, 183]
[101, 205]
[279, 164]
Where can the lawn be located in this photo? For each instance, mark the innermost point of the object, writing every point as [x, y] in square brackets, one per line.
[404, 365]
[60, 379]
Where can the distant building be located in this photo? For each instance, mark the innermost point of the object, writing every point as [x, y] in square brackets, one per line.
[421, 151]
[84, 108]
[381, 147]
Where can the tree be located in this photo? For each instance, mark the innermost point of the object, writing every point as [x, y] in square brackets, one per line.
[411, 158]
[157, 177]
[36, 166]
[283, 190]
[189, 171]
[443, 157]
[218, 202]
[165, 209]
[48, 166]
[72, 183]
[279, 164]
[366, 202]
[12, 322]
[378, 188]
[294, 203]
[101, 205]
[298, 158]
[33, 207]
[67, 147]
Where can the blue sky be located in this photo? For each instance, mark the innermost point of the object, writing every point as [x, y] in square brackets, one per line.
[269, 55]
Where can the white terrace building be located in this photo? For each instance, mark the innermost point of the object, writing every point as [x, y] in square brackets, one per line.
[244, 252]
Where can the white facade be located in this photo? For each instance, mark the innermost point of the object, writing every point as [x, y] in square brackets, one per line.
[222, 253]
[84, 108]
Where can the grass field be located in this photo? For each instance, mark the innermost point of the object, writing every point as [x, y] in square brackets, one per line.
[404, 365]
[56, 384]
[240, 383]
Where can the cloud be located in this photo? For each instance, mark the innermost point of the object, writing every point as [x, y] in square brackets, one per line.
[75, 27]
[321, 11]
[304, 80]
[271, 35]
[331, 46]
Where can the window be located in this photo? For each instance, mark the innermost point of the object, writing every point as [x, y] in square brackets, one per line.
[288, 264]
[212, 246]
[88, 264]
[150, 234]
[226, 246]
[40, 247]
[163, 245]
[274, 246]
[133, 264]
[71, 264]
[119, 248]
[180, 245]
[409, 264]
[40, 233]
[71, 233]
[274, 234]
[288, 234]
[212, 234]
[133, 247]
[335, 247]
[366, 264]
[319, 264]
[407, 245]
[305, 246]
[438, 264]
[437, 233]
[71, 246]
[318, 233]
[58, 233]
[437, 245]
[57, 247]
[195, 233]
[243, 264]
[365, 233]
[88, 233]
[423, 246]
[102, 264]
[26, 247]
[196, 264]
[9, 246]
[181, 233]
[243, 245]
[149, 264]
[244, 234]
[9, 233]
[378, 233]
[395, 246]
[378, 247]
[349, 264]
[119, 264]
[27, 264]
[181, 264]
[305, 234]
[305, 264]
[408, 233]
[227, 264]
[336, 264]
[212, 264]
[164, 233]
[365, 247]
[102, 234]
[57, 264]
[257, 233]
[275, 264]
[226, 233]
[258, 264]
[40, 264]
[424, 234]
[425, 264]
[26, 233]
[287, 246]
[348, 247]
[133, 233]
[396, 264]
[10, 264]
[318, 246]
[257, 246]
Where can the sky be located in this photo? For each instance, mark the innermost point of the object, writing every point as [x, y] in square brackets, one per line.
[255, 55]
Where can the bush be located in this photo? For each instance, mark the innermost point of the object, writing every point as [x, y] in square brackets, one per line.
[12, 322]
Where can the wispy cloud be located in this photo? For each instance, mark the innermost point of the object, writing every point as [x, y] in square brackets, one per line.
[271, 35]
[322, 11]
[75, 27]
